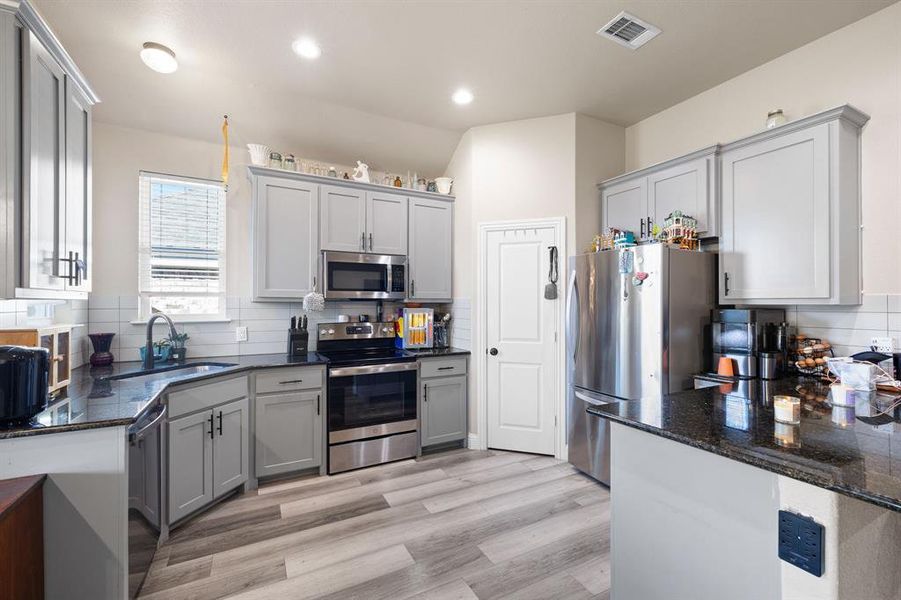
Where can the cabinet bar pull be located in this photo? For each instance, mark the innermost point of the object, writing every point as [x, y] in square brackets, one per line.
[220, 423]
[412, 287]
[363, 240]
[370, 241]
[726, 277]
[290, 381]
[650, 221]
[642, 228]
[317, 403]
[446, 368]
[211, 424]
[425, 392]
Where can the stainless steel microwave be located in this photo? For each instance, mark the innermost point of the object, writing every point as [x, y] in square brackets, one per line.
[358, 276]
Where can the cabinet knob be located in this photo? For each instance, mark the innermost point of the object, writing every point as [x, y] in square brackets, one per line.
[493, 351]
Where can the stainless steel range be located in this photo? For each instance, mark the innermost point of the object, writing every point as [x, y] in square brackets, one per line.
[372, 396]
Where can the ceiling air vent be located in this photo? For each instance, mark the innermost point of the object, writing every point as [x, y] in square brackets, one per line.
[629, 31]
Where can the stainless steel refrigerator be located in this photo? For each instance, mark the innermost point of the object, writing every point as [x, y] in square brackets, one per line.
[635, 329]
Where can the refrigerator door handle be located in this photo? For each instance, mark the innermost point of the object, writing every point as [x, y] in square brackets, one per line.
[572, 301]
[586, 398]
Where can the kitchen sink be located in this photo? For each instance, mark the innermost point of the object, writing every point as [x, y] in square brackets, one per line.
[167, 371]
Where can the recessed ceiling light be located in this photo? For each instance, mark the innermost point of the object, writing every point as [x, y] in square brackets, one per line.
[462, 96]
[159, 58]
[306, 48]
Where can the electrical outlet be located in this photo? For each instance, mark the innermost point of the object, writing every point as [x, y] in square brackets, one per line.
[886, 345]
[240, 334]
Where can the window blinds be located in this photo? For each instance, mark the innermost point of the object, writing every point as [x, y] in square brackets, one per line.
[182, 236]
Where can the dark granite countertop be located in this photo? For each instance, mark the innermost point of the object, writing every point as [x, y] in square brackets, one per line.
[435, 352]
[854, 451]
[93, 401]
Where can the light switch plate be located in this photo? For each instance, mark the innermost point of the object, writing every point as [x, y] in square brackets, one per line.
[240, 334]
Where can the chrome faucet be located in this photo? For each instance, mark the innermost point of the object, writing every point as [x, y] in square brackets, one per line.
[148, 347]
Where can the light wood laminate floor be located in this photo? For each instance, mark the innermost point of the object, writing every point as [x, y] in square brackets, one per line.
[458, 524]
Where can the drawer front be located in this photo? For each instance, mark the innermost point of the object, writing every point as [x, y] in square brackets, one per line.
[186, 401]
[286, 380]
[442, 367]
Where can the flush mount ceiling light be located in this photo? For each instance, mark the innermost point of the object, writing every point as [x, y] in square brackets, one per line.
[306, 48]
[462, 96]
[159, 58]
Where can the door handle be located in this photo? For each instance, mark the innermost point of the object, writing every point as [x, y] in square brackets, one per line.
[572, 298]
[220, 423]
[493, 351]
[425, 392]
[370, 242]
[317, 403]
[211, 424]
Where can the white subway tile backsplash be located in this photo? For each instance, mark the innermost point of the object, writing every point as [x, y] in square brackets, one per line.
[894, 321]
[843, 320]
[103, 315]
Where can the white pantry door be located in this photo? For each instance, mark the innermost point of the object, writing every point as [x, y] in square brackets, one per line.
[520, 327]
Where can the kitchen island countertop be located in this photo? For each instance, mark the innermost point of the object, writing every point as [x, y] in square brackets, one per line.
[855, 451]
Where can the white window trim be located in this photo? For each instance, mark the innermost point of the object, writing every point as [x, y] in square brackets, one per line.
[144, 310]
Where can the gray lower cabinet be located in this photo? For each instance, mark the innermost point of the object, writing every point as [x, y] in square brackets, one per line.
[190, 464]
[443, 410]
[288, 431]
[209, 436]
[230, 446]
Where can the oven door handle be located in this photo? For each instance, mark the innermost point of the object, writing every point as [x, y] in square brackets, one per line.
[373, 369]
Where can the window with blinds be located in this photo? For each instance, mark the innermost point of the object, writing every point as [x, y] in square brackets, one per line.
[182, 246]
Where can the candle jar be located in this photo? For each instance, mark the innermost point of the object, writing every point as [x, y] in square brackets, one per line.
[787, 409]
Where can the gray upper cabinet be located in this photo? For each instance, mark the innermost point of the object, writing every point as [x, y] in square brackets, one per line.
[190, 464]
[230, 446]
[285, 238]
[343, 219]
[288, 432]
[687, 186]
[624, 205]
[791, 213]
[637, 201]
[44, 209]
[431, 250]
[443, 409]
[386, 223]
[78, 188]
[45, 162]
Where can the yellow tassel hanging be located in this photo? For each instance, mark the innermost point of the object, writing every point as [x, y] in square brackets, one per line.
[225, 151]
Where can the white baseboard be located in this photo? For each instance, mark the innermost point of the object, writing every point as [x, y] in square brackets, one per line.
[472, 442]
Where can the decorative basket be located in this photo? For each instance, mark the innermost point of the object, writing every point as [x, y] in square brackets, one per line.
[810, 355]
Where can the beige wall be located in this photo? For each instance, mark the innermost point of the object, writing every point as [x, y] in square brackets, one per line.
[599, 156]
[860, 65]
[119, 154]
[529, 169]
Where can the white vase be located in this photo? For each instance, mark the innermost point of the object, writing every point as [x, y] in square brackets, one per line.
[259, 154]
[443, 184]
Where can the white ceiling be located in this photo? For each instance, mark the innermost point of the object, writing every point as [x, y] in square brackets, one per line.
[381, 90]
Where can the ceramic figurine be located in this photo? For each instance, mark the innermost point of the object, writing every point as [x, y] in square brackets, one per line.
[361, 172]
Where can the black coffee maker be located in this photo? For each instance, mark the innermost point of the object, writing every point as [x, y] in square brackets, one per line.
[24, 380]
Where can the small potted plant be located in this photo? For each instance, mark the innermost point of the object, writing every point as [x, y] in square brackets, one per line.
[161, 351]
[177, 342]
